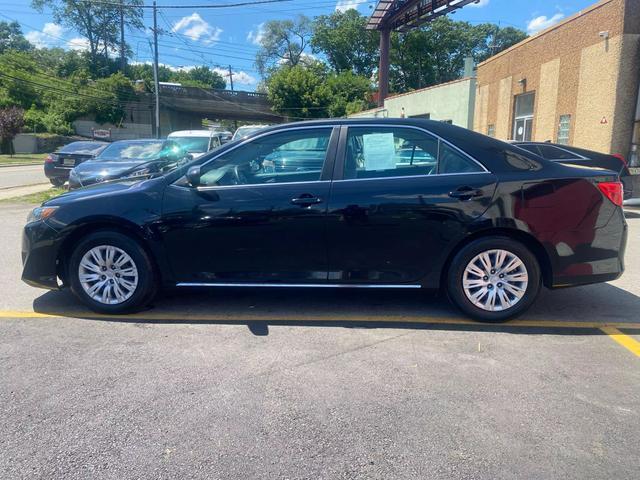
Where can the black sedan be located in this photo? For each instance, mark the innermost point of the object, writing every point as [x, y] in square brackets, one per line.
[487, 222]
[127, 158]
[58, 165]
[588, 158]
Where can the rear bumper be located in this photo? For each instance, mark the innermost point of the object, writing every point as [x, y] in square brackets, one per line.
[599, 260]
[53, 171]
[40, 246]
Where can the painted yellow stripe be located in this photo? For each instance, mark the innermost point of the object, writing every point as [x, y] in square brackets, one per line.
[625, 340]
[255, 317]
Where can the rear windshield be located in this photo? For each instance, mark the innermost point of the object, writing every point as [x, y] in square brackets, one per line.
[193, 144]
[88, 148]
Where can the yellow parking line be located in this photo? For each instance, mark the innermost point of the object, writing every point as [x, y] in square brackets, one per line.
[625, 340]
[256, 317]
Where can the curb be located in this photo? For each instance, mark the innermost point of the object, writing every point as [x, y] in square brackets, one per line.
[19, 165]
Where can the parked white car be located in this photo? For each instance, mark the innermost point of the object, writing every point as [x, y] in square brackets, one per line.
[247, 130]
[199, 142]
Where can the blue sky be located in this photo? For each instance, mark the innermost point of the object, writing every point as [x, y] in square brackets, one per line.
[223, 37]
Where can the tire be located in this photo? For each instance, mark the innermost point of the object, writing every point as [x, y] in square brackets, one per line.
[512, 294]
[136, 269]
[57, 182]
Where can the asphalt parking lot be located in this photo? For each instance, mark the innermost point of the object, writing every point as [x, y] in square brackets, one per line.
[318, 384]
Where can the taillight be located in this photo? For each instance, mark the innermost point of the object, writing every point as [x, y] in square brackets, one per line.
[621, 158]
[613, 191]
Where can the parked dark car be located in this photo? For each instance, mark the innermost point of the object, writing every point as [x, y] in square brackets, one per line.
[58, 165]
[128, 158]
[487, 222]
[588, 158]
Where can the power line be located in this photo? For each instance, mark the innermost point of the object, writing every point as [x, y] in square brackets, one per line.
[206, 6]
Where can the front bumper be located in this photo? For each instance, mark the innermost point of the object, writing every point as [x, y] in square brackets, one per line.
[40, 247]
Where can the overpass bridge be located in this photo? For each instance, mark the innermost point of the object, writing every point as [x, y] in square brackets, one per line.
[218, 104]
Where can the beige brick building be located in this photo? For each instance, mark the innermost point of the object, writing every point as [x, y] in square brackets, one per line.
[577, 82]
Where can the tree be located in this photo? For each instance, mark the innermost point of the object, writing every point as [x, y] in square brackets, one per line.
[435, 53]
[201, 76]
[311, 91]
[345, 42]
[296, 91]
[98, 22]
[11, 121]
[11, 38]
[284, 43]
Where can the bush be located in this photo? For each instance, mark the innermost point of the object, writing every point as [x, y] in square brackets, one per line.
[39, 121]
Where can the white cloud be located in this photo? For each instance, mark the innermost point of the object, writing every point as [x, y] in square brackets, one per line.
[256, 36]
[79, 44]
[197, 29]
[480, 3]
[49, 36]
[239, 77]
[538, 24]
[344, 5]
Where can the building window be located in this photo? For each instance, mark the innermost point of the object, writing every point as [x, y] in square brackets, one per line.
[523, 117]
[491, 130]
[563, 129]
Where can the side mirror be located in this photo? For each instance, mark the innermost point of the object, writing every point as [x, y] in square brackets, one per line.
[193, 176]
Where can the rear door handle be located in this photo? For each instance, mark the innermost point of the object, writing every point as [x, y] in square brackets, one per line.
[466, 193]
[306, 199]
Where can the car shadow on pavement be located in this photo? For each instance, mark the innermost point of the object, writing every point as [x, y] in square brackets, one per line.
[257, 309]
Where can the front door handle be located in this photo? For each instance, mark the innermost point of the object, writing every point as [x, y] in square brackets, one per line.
[466, 193]
[306, 200]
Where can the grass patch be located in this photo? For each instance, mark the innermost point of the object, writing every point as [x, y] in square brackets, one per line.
[37, 197]
[22, 158]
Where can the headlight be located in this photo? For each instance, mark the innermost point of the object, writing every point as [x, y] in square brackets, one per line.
[40, 213]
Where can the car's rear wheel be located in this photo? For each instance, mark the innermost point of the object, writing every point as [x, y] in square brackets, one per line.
[494, 279]
[111, 273]
[57, 182]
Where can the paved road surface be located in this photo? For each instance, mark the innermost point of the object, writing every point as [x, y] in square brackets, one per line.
[19, 176]
[335, 385]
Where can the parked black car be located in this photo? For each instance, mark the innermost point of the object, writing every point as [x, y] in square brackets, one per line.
[488, 222]
[127, 158]
[588, 158]
[58, 165]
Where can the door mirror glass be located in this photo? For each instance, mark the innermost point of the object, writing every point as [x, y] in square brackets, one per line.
[193, 176]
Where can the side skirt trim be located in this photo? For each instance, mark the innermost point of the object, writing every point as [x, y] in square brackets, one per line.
[297, 285]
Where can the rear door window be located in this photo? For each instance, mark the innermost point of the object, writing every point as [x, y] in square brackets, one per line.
[382, 152]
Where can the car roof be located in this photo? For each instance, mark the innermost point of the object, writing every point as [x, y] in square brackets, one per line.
[197, 133]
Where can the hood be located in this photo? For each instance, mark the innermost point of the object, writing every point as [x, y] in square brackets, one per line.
[106, 169]
[104, 190]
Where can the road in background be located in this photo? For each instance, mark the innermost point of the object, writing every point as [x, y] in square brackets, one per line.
[21, 176]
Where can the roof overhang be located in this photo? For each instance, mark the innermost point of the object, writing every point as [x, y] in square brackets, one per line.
[404, 15]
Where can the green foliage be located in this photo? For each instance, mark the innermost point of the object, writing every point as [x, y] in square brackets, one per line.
[284, 42]
[313, 92]
[98, 22]
[40, 121]
[345, 42]
[202, 76]
[11, 38]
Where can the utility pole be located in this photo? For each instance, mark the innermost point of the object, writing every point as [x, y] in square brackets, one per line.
[155, 67]
[235, 122]
[231, 78]
[123, 60]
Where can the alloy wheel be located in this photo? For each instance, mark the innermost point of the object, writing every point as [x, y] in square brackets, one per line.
[495, 280]
[108, 274]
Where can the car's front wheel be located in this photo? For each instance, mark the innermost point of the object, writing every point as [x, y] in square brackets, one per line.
[111, 273]
[494, 279]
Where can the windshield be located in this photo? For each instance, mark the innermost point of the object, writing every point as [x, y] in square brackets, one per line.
[84, 148]
[125, 151]
[193, 144]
